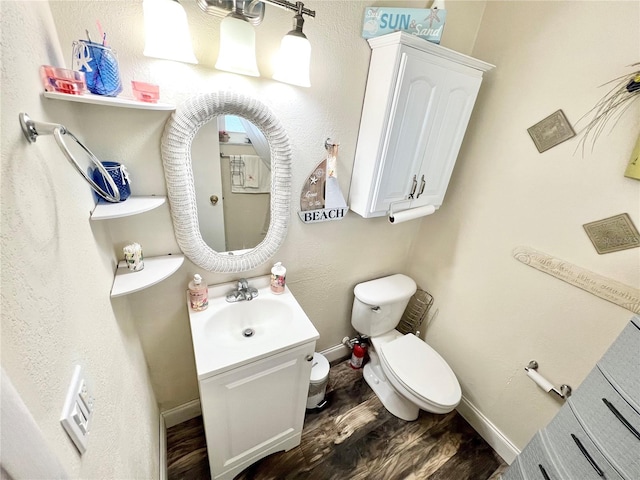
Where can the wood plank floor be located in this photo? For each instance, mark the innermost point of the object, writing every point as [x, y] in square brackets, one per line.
[354, 437]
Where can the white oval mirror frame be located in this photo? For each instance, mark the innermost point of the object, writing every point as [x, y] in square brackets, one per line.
[179, 132]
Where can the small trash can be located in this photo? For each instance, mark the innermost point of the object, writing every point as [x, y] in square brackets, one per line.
[318, 382]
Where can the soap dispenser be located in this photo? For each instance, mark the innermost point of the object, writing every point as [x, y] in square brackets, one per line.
[198, 294]
[278, 274]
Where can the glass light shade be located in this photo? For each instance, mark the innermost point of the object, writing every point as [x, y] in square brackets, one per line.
[167, 31]
[237, 47]
[293, 61]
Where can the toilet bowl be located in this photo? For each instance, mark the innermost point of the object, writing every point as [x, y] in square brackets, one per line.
[404, 372]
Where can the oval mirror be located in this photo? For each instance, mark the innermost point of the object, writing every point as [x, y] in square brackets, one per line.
[177, 141]
[231, 163]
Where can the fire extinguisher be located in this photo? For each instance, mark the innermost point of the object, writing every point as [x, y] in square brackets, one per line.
[357, 356]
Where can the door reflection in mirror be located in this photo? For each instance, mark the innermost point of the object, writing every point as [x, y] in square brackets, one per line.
[231, 160]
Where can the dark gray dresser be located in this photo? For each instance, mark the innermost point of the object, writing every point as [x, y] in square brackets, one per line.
[596, 433]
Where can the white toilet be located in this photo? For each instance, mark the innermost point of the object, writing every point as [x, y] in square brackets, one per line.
[404, 372]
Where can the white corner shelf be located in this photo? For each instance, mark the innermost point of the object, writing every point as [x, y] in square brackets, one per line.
[109, 101]
[131, 206]
[155, 270]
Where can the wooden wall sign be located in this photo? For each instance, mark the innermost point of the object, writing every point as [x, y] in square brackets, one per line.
[324, 215]
[321, 199]
[312, 195]
[611, 290]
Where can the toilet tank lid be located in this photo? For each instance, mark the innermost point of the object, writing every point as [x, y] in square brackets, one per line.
[385, 290]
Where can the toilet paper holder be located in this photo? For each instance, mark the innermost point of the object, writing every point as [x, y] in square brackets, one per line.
[565, 390]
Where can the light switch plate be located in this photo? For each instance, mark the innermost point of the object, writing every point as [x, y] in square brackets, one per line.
[77, 411]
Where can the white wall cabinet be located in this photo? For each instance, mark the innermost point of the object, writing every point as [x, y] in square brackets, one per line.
[255, 410]
[417, 105]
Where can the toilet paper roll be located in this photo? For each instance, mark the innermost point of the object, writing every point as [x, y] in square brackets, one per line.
[410, 214]
[542, 382]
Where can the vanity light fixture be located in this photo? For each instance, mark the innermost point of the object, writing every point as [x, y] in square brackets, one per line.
[237, 52]
[294, 58]
[237, 39]
[167, 33]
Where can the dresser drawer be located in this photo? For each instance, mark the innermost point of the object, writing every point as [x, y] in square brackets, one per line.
[573, 451]
[610, 427]
[536, 463]
[513, 472]
[621, 363]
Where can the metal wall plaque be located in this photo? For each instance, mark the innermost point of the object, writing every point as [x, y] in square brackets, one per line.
[613, 234]
[551, 131]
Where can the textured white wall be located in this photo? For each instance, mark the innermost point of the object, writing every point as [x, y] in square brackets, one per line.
[324, 261]
[57, 271]
[496, 314]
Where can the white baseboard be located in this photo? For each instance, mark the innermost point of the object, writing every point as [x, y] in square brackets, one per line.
[487, 430]
[164, 475]
[181, 413]
[337, 352]
[168, 419]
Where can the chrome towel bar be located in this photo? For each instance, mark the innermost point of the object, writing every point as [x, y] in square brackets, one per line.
[33, 129]
[543, 383]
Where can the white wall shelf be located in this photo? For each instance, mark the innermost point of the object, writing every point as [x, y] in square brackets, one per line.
[155, 270]
[131, 206]
[109, 101]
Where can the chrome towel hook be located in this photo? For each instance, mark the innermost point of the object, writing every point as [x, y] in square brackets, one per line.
[328, 144]
[32, 129]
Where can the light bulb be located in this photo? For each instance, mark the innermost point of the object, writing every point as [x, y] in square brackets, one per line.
[237, 47]
[167, 31]
[293, 60]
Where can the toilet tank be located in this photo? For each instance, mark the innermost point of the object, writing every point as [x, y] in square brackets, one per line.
[379, 304]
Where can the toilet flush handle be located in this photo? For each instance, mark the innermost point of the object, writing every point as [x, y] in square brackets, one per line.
[376, 309]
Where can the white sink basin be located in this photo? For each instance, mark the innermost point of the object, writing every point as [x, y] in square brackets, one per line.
[227, 335]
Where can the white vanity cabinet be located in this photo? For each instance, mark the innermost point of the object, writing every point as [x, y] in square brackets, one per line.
[417, 105]
[256, 409]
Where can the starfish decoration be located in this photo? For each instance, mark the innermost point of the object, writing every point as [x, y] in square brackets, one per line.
[432, 16]
[313, 180]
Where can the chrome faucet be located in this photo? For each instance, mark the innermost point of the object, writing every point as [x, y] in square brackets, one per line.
[243, 292]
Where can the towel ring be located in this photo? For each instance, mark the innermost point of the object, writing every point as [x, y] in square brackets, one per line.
[33, 129]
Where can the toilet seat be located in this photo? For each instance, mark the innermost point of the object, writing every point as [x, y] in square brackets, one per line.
[419, 373]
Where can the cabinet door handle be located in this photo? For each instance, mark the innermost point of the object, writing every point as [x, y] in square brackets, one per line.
[545, 475]
[414, 184]
[422, 184]
[620, 417]
[587, 456]
[308, 358]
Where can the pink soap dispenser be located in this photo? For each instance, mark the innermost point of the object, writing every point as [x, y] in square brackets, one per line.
[198, 294]
[278, 274]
